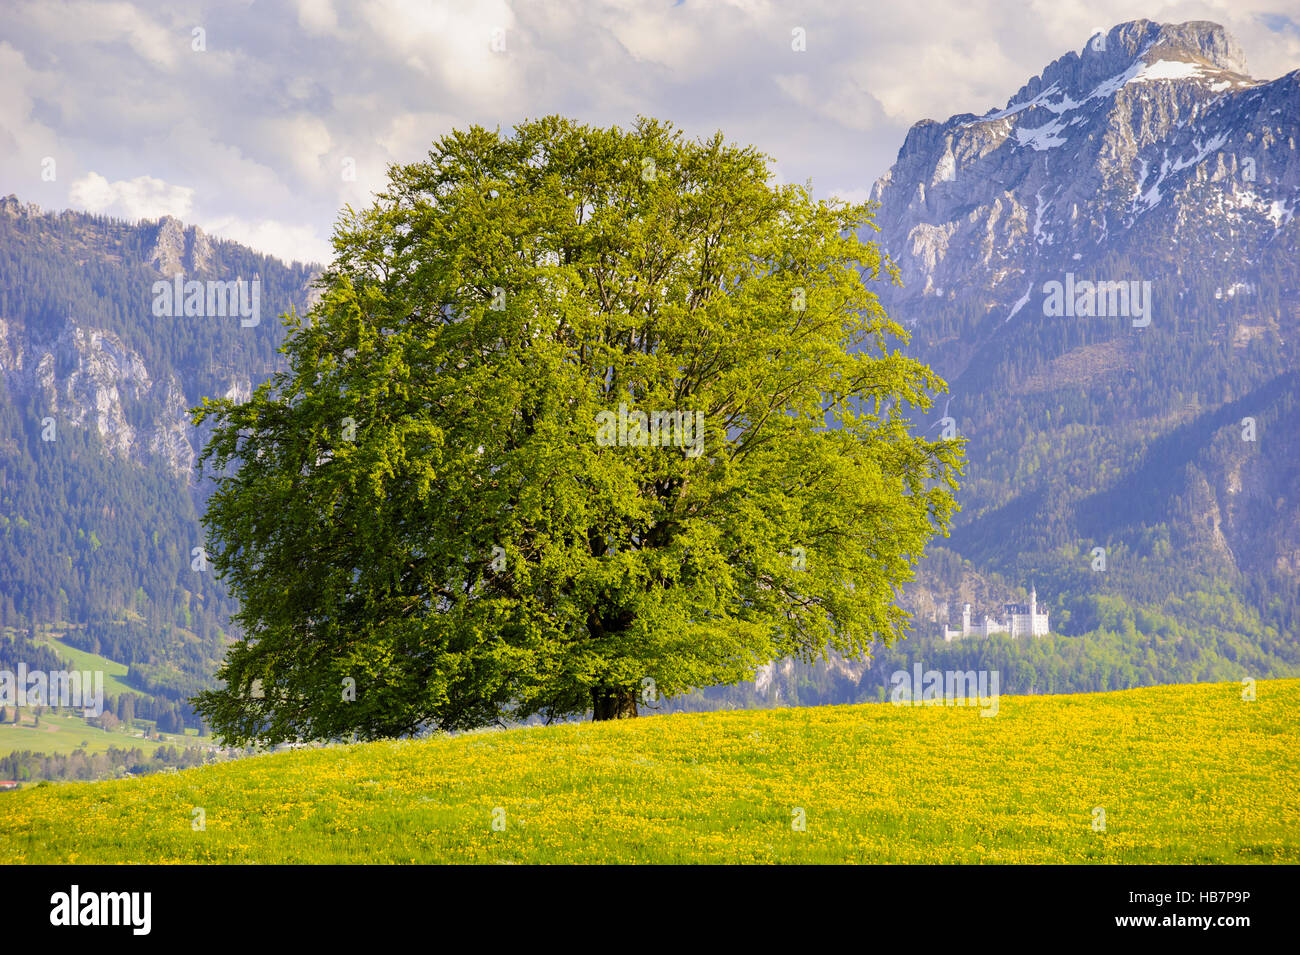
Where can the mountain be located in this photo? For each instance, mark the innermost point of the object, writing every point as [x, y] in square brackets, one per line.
[1152, 182]
[1149, 425]
[99, 363]
[1153, 144]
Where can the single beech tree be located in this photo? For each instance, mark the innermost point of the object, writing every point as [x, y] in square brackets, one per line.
[582, 417]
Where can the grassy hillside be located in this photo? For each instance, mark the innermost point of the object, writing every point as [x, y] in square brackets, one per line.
[1184, 773]
[115, 673]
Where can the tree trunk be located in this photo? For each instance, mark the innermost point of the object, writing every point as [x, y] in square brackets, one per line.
[613, 703]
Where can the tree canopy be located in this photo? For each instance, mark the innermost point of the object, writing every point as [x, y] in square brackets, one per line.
[583, 416]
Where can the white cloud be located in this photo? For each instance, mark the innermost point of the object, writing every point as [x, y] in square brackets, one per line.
[317, 16]
[259, 126]
[845, 102]
[671, 37]
[452, 42]
[303, 142]
[86, 22]
[141, 198]
[300, 243]
[24, 140]
[409, 137]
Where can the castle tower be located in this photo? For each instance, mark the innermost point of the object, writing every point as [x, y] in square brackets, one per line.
[1033, 606]
[965, 620]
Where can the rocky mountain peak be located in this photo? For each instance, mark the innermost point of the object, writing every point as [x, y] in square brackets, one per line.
[1122, 145]
[1198, 38]
[13, 207]
[95, 356]
[177, 249]
[1139, 51]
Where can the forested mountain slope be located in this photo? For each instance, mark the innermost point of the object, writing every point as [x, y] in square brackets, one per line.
[99, 497]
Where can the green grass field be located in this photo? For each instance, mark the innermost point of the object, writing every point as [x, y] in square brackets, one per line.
[60, 733]
[64, 731]
[114, 673]
[1183, 774]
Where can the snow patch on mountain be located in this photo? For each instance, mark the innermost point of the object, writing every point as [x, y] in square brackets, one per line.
[1043, 137]
[1169, 70]
[1279, 212]
[1020, 303]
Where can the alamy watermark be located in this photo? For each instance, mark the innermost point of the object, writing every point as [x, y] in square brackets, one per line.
[70, 688]
[212, 299]
[656, 429]
[947, 688]
[1087, 299]
[75, 907]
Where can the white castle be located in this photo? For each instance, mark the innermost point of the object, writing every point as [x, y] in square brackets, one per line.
[1019, 620]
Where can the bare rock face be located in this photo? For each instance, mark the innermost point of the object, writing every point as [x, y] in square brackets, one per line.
[200, 251]
[1129, 146]
[11, 207]
[170, 438]
[87, 378]
[311, 294]
[168, 255]
[177, 250]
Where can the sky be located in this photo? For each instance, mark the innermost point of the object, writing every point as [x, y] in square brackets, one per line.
[259, 121]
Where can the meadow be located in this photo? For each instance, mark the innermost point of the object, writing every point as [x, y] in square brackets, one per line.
[115, 674]
[1175, 774]
[64, 731]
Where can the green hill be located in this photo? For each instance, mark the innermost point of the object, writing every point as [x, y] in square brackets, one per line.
[1183, 774]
